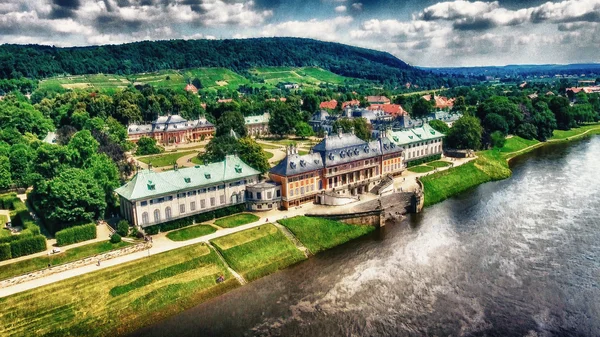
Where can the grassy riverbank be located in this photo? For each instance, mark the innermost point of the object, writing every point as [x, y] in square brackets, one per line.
[119, 299]
[491, 165]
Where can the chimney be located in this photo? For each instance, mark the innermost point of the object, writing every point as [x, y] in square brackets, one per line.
[352, 130]
[326, 134]
[340, 131]
[175, 167]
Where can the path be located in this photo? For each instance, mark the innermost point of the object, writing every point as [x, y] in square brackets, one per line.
[185, 160]
[162, 244]
[239, 277]
[293, 238]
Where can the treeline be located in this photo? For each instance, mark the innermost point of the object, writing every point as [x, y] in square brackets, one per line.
[34, 61]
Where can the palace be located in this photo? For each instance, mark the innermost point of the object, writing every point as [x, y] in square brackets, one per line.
[339, 167]
[418, 143]
[257, 125]
[152, 198]
[172, 129]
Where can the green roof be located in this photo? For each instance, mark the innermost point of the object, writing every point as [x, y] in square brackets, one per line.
[260, 119]
[147, 183]
[415, 135]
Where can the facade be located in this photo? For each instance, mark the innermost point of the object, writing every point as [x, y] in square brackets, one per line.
[258, 125]
[378, 100]
[263, 196]
[172, 129]
[441, 102]
[418, 143]
[341, 164]
[151, 198]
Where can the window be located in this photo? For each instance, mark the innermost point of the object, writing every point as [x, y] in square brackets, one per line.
[296, 191]
[190, 193]
[259, 206]
[202, 203]
[278, 193]
[156, 215]
[192, 206]
[291, 192]
[302, 190]
[145, 218]
[212, 201]
[222, 199]
[258, 195]
[269, 195]
[168, 213]
[144, 203]
[182, 208]
[270, 205]
[221, 187]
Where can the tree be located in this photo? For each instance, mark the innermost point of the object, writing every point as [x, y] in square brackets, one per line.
[83, 146]
[64, 134]
[231, 120]
[527, 131]
[123, 228]
[465, 133]
[311, 103]
[5, 175]
[303, 130]
[498, 139]
[421, 108]
[460, 105]
[196, 82]
[283, 119]
[560, 108]
[251, 153]
[147, 145]
[106, 174]
[502, 106]
[439, 126]
[544, 121]
[361, 129]
[218, 147]
[20, 164]
[494, 122]
[71, 197]
[51, 159]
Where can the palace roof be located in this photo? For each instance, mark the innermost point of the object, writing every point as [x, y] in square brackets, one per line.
[167, 124]
[147, 183]
[415, 135]
[294, 164]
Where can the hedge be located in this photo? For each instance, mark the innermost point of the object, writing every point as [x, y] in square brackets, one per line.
[5, 251]
[27, 246]
[76, 234]
[198, 218]
[423, 160]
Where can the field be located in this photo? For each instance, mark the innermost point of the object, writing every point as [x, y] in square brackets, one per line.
[236, 220]
[119, 299]
[73, 254]
[310, 76]
[515, 143]
[588, 129]
[189, 233]
[319, 234]
[258, 251]
[161, 160]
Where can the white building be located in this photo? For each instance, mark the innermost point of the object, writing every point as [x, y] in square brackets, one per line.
[152, 198]
[418, 143]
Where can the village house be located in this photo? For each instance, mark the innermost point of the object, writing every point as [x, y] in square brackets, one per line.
[172, 129]
[351, 104]
[258, 125]
[390, 109]
[152, 198]
[440, 102]
[331, 105]
[337, 170]
[378, 100]
[191, 88]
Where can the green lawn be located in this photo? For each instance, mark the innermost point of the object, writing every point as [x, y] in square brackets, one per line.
[162, 160]
[120, 299]
[197, 161]
[319, 234]
[439, 164]
[517, 143]
[189, 233]
[236, 220]
[269, 155]
[302, 152]
[420, 169]
[269, 147]
[258, 251]
[73, 254]
[560, 134]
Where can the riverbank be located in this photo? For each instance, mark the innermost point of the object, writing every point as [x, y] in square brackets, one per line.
[492, 165]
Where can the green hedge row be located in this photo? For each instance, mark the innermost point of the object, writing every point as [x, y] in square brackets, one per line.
[5, 251]
[25, 246]
[29, 241]
[76, 234]
[20, 216]
[424, 160]
[198, 218]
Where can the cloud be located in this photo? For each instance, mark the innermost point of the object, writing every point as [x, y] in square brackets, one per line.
[357, 6]
[340, 9]
[315, 29]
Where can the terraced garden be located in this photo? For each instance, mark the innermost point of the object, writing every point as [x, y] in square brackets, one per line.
[259, 251]
[119, 299]
[236, 220]
[192, 232]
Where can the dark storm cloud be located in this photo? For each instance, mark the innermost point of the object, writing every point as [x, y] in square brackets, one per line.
[73, 4]
[114, 24]
[477, 24]
[63, 9]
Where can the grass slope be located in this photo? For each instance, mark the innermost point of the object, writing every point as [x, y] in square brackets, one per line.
[259, 251]
[73, 254]
[236, 220]
[162, 160]
[421, 169]
[157, 287]
[189, 233]
[318, 234]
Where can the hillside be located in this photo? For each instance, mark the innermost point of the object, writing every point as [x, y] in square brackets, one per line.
[517, 71]
[34, 61]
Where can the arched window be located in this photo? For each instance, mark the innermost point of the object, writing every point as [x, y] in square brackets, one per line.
[145, 218]
[156, 215]
[168, 213]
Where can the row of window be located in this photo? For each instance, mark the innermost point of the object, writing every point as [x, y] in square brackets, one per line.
[302, 190]
[302, 177]
[423, 152]
[259, 195]
[191, 193]
[424, 143]
[182, 208]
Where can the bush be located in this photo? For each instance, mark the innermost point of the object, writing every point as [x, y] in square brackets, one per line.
[5, 251]
[115, 238]
[28, 245]
[423, 160]
[76, 234]
[123, 228]
[198, 218]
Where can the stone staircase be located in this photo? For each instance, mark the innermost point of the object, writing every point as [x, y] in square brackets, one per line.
[385, 182]
[294, 239]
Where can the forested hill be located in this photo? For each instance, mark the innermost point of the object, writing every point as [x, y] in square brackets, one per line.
[34, 61]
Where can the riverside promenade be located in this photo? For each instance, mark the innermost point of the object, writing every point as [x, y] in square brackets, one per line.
[405, 183]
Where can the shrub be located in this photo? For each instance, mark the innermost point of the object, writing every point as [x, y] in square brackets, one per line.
[123, 228]
[5, 251]
[28, 245]
[152, 230]
[115, 238]
[423, 160]
[76, 234]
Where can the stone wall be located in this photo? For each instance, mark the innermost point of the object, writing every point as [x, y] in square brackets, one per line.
[370, 218]
[75, 264]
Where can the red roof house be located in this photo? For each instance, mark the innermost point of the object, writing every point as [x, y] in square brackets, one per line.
[191, 88]
[390, 109]
[351, 103]
[329, 104]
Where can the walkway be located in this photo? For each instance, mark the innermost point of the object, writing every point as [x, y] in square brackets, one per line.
[185, 160]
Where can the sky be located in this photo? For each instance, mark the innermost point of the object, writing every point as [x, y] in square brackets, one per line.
[420, 32]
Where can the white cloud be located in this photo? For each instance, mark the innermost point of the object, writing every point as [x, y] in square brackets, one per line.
[358, 6]
[340, 9]
[315, 29]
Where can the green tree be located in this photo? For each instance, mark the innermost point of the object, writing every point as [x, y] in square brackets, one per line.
[283, 119]
[498, 139]
[460, 105]
[231, 120]
[20, 164]
[106, 174]
[147, 145]
[361, 129]
[311, 103]
[439, 126]
[527, 131]
[544, 121]
[51, 159]
[5, 175]
[421, 108]
[560, 108]
[123, 228]
[303, 130]
[218, 147]
[251, 153]
[83, 146]
[504, 107]
[465, 133]
[494, 122]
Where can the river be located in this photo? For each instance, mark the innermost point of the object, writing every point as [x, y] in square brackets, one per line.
[519, 257]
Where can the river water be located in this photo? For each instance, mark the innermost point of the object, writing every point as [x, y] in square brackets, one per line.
[519, 257]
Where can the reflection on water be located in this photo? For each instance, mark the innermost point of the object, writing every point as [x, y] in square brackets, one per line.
[520, 257]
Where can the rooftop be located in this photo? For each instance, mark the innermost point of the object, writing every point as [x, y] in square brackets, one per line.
[410, 136]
